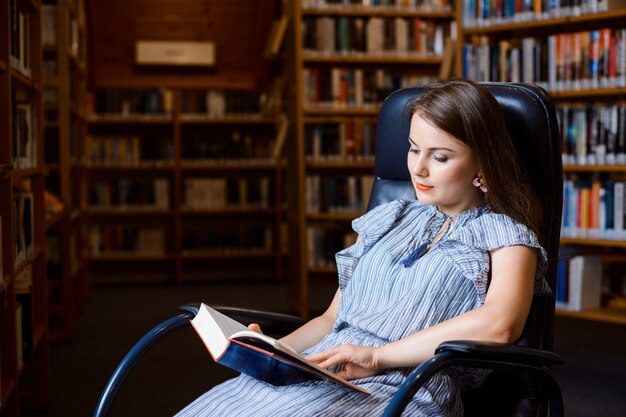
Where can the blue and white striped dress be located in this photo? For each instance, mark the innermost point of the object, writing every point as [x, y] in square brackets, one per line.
[383, 301]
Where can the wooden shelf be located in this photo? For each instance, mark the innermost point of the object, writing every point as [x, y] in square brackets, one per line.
[142, 166]
[230, 210]
[131, 257]
[333, 119]
[341, 164]
[21, 81]
[379, 11]
[5, 168]
[26, 172]
[130, 120]
[594, 168]
[129, 211]
[589, 93]
[23, 264]
[336, 59]
[593, 242]
[222, 254]
[604, 314]
[321, 110]
[342, 217]
[201, 119]
[318, 270]
[539, 23]
[229, 165]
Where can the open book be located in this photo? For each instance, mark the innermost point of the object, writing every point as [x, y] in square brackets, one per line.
[232, 344]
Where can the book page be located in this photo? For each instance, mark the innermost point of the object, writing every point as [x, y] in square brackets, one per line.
[214, 328]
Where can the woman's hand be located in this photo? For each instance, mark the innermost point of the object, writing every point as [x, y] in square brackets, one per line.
[358, 361]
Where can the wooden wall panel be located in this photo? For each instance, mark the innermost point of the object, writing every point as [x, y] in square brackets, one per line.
[239, 29]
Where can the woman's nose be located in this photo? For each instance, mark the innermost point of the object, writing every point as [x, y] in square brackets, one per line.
[419, 166]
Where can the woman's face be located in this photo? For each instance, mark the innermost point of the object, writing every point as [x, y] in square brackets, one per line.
[442, 168]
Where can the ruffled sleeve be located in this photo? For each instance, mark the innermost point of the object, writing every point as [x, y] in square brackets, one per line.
[371, 227]
[469, 247]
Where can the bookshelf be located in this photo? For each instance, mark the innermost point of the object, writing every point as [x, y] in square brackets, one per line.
[576, 53]
[186, 184]
[346, 59]
[63, 95]
[24, 354]
[184, 164]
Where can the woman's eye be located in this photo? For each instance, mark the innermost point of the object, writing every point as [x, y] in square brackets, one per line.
[414, 150]
[440, 158]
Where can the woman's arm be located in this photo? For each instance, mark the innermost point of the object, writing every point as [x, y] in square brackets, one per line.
[314, 330]
[500, 319]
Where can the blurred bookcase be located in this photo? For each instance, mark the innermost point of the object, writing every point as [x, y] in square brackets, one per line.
[24, 354]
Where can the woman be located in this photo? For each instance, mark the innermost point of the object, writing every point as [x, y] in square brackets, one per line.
[460, 262]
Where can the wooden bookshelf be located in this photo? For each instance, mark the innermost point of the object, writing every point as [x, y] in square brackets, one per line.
[232, 151]
[334, 130]
[64, 85]
[24, 361]
[576, 89]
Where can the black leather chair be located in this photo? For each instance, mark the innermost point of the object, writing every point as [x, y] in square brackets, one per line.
[521, 383]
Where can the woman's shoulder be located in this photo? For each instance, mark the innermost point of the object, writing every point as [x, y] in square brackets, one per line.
[492, 230]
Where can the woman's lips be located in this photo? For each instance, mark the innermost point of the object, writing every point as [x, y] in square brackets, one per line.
[423, 187]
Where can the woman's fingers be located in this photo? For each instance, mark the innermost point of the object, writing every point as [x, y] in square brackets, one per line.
[255, 327]
[331, 357]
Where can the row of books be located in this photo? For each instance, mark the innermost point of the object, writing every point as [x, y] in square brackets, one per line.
[127, 239]
[593, 133]
[228, 240]
[323, 244]
[342, 87]
[564, 61]
[480, 13]
[220, 103]
[229, 144]
[23, 225]
[128, 149]
[219, 193]
[382, 4]
[344, 141]
[130, 103]
[594, 209]
[20, 28]
[579, 283]
[374, 35]
[123, 192]
[24, 133]
[348, 194]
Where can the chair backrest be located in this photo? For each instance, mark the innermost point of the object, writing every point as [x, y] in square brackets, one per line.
[532, 123]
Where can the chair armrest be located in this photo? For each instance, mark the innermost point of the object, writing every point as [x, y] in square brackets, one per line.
[271, 323]
[484, 355]
[507, 352]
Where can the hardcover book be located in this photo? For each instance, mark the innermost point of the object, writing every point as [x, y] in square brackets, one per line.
[232, 344]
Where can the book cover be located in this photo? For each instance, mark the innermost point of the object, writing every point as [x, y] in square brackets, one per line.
[232, 344]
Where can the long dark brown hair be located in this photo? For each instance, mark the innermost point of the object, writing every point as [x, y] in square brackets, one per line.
[469, 113]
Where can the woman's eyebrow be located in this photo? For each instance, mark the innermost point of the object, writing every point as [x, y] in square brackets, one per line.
[432, 149]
